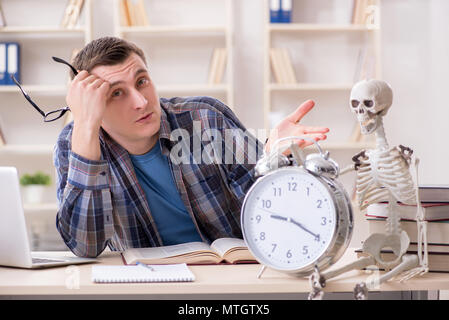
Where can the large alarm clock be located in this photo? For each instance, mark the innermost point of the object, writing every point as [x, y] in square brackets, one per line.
[297, 217]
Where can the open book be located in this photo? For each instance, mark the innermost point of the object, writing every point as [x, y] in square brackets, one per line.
[228, 250]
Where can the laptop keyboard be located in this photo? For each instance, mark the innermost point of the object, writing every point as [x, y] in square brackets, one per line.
[43, 260]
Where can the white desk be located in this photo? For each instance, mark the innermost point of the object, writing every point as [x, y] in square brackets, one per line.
[222, 281]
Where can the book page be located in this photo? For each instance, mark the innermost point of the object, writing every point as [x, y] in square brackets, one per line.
[165, 251]
[223, 245]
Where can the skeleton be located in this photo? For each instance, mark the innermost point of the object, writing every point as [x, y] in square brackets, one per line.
[383, 173]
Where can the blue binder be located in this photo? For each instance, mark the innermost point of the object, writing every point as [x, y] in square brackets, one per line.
[9, 62]
[286, 11]
[275, 11]
[3, 73]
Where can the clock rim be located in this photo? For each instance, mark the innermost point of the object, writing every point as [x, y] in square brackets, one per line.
[326, 258]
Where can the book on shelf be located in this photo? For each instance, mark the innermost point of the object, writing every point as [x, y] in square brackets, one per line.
[282, 66]
[2, 17]
[437, 231]
[438, 261]
[433, 211]
[223, 250]
[72, 13]
[217, 66]
[133, 13]
[364, 12]
[2, 138]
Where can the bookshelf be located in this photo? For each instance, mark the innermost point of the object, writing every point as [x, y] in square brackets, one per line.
[329, 53]
[169, 34]
[30, 141]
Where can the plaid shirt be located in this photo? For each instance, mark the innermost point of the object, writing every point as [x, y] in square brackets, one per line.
[101, 202]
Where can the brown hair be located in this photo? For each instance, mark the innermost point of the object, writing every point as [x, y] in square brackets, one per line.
[105, 51]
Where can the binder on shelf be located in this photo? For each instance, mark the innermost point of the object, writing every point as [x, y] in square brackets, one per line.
[3, 72]
[13, 62]
[9, 62]
[275, 11]
[286, 11]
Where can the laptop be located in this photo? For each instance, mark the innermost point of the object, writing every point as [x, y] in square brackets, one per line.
[14, 246]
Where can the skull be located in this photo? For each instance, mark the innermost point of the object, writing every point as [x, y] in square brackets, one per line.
[370, 101]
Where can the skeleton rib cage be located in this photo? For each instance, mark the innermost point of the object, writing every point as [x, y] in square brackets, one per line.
[384, 175]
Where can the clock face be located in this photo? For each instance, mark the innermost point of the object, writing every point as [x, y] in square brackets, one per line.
[288, 219]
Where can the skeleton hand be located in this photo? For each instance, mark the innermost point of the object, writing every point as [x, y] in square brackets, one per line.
[357, 157]
[406, 153]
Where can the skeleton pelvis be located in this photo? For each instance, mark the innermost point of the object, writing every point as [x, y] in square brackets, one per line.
[378, 241]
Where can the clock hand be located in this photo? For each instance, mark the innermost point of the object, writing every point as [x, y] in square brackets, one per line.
[275, 216]
[304, 228]
[279, 217]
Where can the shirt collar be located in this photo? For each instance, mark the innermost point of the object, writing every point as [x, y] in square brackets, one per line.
[165, 128]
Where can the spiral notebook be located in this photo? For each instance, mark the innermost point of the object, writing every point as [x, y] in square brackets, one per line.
[138, 273]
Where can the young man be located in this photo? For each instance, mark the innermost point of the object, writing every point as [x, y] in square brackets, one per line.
[126, 179]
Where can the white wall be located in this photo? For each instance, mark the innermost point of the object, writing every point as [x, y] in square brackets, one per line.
[415, 62]
[415, 59]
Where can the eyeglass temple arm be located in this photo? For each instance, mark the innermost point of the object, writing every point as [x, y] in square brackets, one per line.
[27, 96]
[66, 63]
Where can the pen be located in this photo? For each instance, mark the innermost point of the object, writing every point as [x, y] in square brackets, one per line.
[145, 265]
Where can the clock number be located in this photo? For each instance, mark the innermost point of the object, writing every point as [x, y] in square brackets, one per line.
[319, 203]
[289, 254]
[292, 186]
[323, 221]
[305, 250]
[274, 246]
[258, 218]
[317, 238]
[277, 191]
[266, 204]
[262, 236]
[308, 191]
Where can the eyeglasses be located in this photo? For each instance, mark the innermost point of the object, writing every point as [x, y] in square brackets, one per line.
[52, 115]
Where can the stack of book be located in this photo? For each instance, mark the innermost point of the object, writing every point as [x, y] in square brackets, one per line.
[2, 138]
[2, 17]
[435, 203]
[133, 13]
[72, 13]
[282, 66]
[364, 12]
[217, 66]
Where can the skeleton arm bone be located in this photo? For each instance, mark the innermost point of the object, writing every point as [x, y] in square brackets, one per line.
[347, 169]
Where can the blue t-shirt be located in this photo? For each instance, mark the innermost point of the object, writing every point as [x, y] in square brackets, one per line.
[170, 215]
